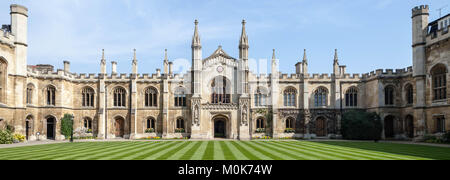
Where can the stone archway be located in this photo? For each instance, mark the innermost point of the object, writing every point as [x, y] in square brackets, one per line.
[389, 126]
[119, 127]
[409, 126]
[29, 127]
[321, 127]
[51, 127]
[220, 127]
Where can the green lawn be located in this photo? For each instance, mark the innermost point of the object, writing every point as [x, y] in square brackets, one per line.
[225, 150]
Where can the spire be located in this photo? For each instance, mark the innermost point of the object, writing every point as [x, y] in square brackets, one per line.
[196, 38]
[305, 58]
[103, 54]
[336, 58]
[165, 55]
[244, 39]
[273, 55]
[134, 55]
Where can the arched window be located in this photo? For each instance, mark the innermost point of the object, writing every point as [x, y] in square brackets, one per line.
[389, 95]
[351, 97]
[290, 97]
[261, 97]
[151, 97]
[2, 80]
[88, 124]
[180, 97]
[321, 97]
[180, 124]
[260, 123]
[220, 91]
[440, 124]
[51, 91]
[290, 123]
[119, 97]
[30, 89]
[151, 123]
[409, 94]
[439, 76]
[87, 95]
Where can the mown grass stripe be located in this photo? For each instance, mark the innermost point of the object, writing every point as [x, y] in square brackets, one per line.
[142, 154]
[55, 152]
[124, 153]
[209, 151]
[180, 154]
[311, 155]
[254, 151]
[109, 153]
[269, 153]
[227, 153]
[286, 152]
[30, 149]
[199, 152]
[171, 151]
[236, 153]
[244, 151]
[86, 152]
[322, 155]
[219, 152]
[359, 152]
[190, 153]
[337, 155]
[381, 148]
[46, 150]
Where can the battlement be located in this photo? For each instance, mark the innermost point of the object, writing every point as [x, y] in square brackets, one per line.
[388, 72]
[6, 37]
[420, 10]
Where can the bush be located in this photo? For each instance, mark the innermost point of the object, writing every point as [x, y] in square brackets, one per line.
[19, 137]
[6, 137]
[260, 130]
[150, 130]
[180, 130]
[446, 137]
[359, 125]
[289, 130]
[66, 125]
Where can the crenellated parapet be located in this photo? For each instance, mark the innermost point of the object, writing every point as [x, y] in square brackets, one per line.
[388, 73]
[6, 37]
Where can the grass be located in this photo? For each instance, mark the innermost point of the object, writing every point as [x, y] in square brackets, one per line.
[226, 150]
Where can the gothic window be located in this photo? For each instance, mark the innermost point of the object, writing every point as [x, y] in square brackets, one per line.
[321, 97]
[87, 123]
[290, 97]
[29, 97]
[151, 97]
[180, 123]
[51, 91]
[261, 97]
[119, 97]
[290, 123]
[440, 124]
[439, 74]
[180, 97]
[351, 97]
[2, 80]
[389, 95]
[260, 123]
[151, 123]
[409, 94]
[220, 91]
[87, 95]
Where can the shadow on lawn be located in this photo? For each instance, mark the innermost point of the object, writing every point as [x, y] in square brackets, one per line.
[430, 152]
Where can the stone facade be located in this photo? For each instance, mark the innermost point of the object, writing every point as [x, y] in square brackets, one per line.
[220, 97]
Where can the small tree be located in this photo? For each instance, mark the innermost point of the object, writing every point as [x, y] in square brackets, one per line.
[360, 125]
[67, 125]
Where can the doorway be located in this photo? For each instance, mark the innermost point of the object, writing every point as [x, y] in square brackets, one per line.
[321, 127]
[389, 127]
[119, 127]
[51, 122]
[219, 128]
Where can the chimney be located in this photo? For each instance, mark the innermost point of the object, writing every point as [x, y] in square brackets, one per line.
[158, 72]
[67, 66]
[113, 67]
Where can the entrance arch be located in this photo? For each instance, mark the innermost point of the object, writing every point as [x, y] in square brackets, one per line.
[389, 126]
[220, 127]
[51, 127]
[410, 126]
[119, 127]
[28, 127]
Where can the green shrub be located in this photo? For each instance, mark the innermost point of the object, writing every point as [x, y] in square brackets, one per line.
[289, 130]
[360, 125]
[446, 137]
[66, 125]
[6, 137]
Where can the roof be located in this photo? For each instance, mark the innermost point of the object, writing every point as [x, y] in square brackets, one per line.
[219, 52]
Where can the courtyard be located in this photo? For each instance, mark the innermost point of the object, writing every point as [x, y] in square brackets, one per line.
[226, 150]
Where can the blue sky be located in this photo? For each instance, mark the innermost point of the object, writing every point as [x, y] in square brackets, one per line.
[370, 34]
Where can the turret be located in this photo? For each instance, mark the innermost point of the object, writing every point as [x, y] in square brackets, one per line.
[336, 63]
[113, 67]
[134, 63]
[196, 62]
[166, 62]
[67, 66]
[302, 67]
[103, 63]
[419, 29]
[243, 45]
[274, 66]
[19, 28]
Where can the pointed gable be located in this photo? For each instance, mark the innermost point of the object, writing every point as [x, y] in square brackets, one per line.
[220, 55]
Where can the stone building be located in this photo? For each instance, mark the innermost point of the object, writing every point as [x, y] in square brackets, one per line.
[220, 96]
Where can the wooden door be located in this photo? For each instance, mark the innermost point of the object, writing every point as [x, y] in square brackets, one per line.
[321, 127]
[389, 127]
[119, 128]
